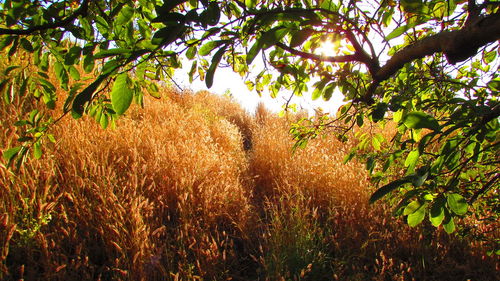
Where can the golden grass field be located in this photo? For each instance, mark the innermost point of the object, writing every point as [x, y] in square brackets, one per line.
[192, 187]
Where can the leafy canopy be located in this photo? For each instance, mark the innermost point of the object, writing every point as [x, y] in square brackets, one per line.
[428, 67]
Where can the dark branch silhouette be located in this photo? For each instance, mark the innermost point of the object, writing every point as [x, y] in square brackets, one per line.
[81, 11]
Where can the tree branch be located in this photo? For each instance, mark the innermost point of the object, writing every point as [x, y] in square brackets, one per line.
[485, 188]
[458, 45]
[336, 59]
[81, 11]
[371, 63]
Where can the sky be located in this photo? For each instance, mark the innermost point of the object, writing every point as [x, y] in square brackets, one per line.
[226, 81]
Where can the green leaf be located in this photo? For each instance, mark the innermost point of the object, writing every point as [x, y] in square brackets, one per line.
[398, 210]
[88, 30]
[154, 91]
[193, 3]
[24, 85]
[86, 96]
[250, 4]
[370, 164]
[494, 84]
[124, 16]
[168, 35]
[328, 92]
[73, 55]
[436, 215]
[254, 51]
[110, 67]
[47, 85]
[457, 203]
[21, 123]
[412, 6]
[422, 145]
[61, 74]
[412, 207]
[74, 73]
[399, 31]
[10, 153]
[5, 42]
[378, 112]
[420, 176]
[212, 13]
[348, 158]
[377, 141]
[272, 36]
[215, 63]
[104, 121]
[384, 190]
[121, 94]
[318, 89]
[33, 116]
[417, 216]
[9, 93]
[489, 57]
[27, 45]
[210, 46]
[44, 62]
[359, 120]
[420, 120]
[191, 52]
[449, 224]
[88, 63]
[300, 37]
[24, 139]
[49, 100]
[265, 41]
[411, 160]
[51, 138]
[13, 49]
[168, 18]
[37, 150]
[71, 96]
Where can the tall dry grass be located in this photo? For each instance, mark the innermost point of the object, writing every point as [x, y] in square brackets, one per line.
[169, 187]
[163, 196]
[194, 188]
[319, 225]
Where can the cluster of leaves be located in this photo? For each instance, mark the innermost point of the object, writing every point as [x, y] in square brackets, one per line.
[446, 115]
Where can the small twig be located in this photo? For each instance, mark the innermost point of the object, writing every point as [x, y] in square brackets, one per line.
[485, 188]
[175, 83]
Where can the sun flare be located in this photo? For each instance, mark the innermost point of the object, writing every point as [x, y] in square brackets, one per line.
[328, 48]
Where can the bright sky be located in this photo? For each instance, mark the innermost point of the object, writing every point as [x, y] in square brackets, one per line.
[226, 80]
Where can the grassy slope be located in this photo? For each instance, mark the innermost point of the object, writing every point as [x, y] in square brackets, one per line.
[192, 187]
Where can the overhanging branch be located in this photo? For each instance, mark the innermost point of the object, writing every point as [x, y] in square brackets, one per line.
[335, 59]
[81, 11]
[371, 62]
[458, 45]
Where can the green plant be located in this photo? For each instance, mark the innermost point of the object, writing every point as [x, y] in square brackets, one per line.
[296, 247]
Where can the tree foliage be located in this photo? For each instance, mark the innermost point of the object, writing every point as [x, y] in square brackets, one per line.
[430, 67]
